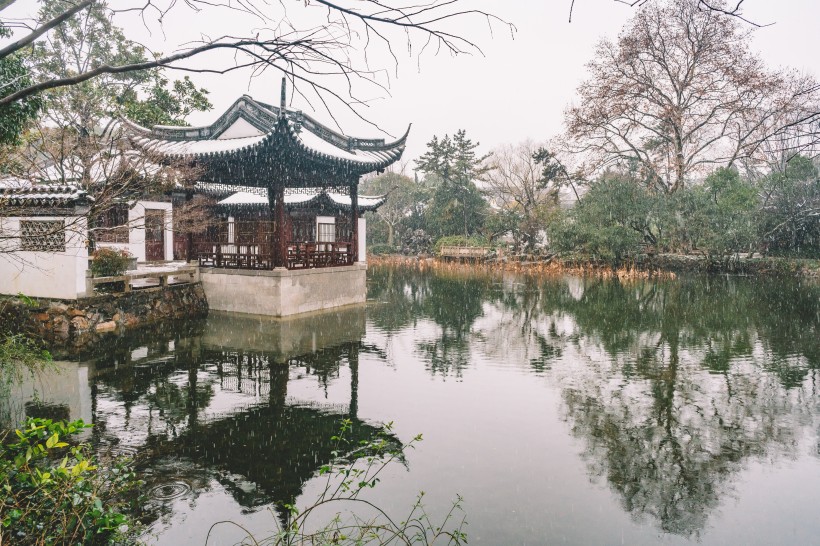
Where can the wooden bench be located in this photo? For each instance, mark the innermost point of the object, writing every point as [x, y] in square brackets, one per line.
[465, 252]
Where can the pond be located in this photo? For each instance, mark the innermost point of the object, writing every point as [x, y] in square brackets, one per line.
[564, 410]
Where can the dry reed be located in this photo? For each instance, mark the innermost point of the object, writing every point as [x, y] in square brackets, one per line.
[545, 268]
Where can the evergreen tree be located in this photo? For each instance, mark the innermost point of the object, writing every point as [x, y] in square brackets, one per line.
[13, 117]
[452, 167]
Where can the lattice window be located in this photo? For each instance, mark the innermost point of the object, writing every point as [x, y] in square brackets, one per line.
[327, 233]
[42, 235]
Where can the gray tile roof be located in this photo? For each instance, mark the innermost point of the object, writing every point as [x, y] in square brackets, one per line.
[44, 195]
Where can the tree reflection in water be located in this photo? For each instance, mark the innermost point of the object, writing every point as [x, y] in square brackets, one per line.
[672, 386]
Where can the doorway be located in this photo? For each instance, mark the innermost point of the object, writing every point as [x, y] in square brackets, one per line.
[154, 235]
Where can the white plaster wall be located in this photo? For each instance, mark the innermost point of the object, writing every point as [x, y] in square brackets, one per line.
[45, 274]
[362, 240]
[136, 230]
[65, 383]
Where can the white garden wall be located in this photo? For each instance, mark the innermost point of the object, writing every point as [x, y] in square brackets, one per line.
[44, 274]
[136, 232]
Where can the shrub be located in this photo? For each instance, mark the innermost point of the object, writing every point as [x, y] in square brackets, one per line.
[55, 493]
[109, 262]
[381, 249]
[415, 243]
[610, 222]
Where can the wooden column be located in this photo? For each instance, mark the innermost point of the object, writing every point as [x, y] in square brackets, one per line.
[189, 237]
[280, 235]
[354, 216]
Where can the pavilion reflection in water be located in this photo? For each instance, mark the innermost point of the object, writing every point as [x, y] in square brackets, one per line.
[212, 406]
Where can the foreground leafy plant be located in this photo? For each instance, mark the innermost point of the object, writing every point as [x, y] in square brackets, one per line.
[355, 469]
[20, 355]
[52, 492]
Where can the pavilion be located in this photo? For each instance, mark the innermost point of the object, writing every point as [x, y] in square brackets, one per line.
[288, 186]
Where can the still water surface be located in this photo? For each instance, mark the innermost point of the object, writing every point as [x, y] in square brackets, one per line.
[564, 411]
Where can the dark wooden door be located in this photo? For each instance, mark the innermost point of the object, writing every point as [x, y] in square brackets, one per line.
[154, 235]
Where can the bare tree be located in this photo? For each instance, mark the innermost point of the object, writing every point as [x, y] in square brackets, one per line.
[731, 9]
[678, 93]
[319, 57]
[403, 194]
[516, 184]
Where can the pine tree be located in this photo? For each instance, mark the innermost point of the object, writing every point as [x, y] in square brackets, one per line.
[452, 167]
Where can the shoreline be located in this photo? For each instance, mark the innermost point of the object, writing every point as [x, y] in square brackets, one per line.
[666, 266]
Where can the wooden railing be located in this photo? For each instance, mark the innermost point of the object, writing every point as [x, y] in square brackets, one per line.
[300, 255]
[181, 275]
[309, 255]
[233, 256]
[464, 252]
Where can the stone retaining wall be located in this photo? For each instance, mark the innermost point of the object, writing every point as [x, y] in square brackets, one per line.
[77, 324]
[284, 292]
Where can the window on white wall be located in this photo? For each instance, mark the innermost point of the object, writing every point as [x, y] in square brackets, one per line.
[42, 235]
[327, 233]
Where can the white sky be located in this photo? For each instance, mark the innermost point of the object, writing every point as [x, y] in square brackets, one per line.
[517, 90]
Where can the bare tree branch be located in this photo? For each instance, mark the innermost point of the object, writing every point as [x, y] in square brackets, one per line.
[293, 50]
[42, 29]
[709, 5]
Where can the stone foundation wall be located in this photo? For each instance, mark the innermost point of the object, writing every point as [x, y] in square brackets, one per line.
[78, 324]
[282, 292]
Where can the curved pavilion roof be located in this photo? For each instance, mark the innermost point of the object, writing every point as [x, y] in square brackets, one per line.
[255, 144]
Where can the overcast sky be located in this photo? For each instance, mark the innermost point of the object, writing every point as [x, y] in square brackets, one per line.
[517, 90]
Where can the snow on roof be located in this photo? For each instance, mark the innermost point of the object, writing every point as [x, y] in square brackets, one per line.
[244, 198]
[40, 195]
[14, 182]
[365, 201]
[179, 148]
[303, 198]
[321, 146]
[70, 169]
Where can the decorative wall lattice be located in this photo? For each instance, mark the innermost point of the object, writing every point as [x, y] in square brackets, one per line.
[42, 235]
[315, 190]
